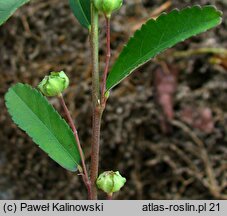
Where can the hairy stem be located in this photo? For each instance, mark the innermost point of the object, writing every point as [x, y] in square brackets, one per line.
[96, 111]
[97, 116]
[83, 172]
[99, 101]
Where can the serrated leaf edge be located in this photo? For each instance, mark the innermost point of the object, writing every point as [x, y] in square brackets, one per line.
[125, 48]
[51, 107]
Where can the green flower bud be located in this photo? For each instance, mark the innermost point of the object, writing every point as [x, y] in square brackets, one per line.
[107, 6]
[54, 84]
[110, 182]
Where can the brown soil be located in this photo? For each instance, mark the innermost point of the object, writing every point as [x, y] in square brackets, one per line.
[186, 160]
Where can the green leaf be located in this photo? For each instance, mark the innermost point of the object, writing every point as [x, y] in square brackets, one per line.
[156, 36]
[31, 111]
[8, 7]
[82, 11]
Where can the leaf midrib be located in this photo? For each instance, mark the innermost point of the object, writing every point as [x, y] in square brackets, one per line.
[33, 114]
[138, 64]
[84, 14]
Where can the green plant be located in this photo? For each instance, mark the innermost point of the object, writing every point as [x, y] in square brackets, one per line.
[110, 182]
[32, 112]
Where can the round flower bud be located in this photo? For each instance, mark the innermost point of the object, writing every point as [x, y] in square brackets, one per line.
[107, 6]
[110, 182]
[54, 84]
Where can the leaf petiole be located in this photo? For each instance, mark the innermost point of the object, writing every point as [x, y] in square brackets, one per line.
[82, 171]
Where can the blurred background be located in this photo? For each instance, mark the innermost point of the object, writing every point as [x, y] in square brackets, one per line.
[164, 127]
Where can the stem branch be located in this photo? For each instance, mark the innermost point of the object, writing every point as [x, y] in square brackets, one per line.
[108, 55]
[83, 172]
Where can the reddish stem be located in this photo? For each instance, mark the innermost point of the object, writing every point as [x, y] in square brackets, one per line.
[72, 125]
[109, 196]
[97, 116]
[108, 55]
